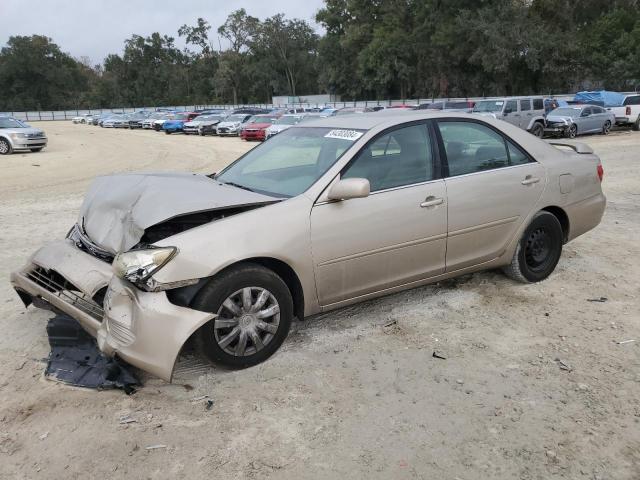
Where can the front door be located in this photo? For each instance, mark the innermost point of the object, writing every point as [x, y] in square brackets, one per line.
[492, 186]
[394, 236]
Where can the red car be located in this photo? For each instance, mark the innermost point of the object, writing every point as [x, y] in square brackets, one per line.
[256, 127]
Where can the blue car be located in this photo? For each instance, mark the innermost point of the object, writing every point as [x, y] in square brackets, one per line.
[176, 124]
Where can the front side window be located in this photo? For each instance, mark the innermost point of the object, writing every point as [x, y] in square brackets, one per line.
[290, 162]
[538, 104]
[472, 147]
[511, 106]
[398, 158]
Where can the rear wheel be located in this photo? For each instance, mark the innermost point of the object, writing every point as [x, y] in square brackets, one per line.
[538, 250]
[636, 126]
[606, 128]
[5, 146]
[254, 311]
[537, 130]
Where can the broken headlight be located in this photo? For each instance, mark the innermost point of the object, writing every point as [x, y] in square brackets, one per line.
[137, 266]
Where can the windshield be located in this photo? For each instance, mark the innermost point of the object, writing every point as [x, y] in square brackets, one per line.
[235, 118]
[290, 162]
[489, 106]
[261, 119]
[287, 120]
[11, 123]
[181, 116]
[566, 112]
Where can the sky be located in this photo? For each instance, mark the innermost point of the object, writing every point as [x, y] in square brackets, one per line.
[95, 28]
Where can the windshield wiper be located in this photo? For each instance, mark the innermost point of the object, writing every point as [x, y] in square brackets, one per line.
[238, 185]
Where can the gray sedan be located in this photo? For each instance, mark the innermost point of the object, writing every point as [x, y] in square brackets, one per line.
[579, 120]
[17, 135]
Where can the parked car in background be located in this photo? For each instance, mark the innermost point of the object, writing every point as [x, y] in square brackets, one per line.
[157, 123]
[112, 120]
[136, 119]
[147, 123]
[176, 124]
[252, 110]
[449, 106]
[352, 110]
[231, 125]
[206, 122]
[85, 118]
[18, 135]
[524, 112]
[343, 210]
[255, 128]
[282, 123]
[579, 120]
[628, 115]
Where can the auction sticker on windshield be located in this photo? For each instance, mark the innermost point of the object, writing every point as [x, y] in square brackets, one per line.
[351, 135]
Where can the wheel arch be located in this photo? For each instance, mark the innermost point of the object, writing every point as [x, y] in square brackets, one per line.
[184, 296]
[562, 217]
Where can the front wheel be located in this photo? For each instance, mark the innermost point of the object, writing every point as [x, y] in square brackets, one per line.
[538, 250]
[537, 130]
[5, 146]
[572, 132]
[606, 128]
[167, 132]
[34, 150]
[254, 311]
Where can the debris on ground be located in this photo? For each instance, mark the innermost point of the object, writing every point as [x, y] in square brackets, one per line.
[599, 299]
[155, 447]
[76, 360]
[564, 365]
[44, 435]
[126, 419]
[200, 398]
[622, 342]
[438, 355]
[390, 324]
[209, 404]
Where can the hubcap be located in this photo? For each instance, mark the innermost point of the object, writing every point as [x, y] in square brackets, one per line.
[4, 146]
[538, 249]
[247, 321]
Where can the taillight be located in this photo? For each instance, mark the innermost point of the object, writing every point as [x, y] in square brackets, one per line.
[627, 111]
[600, 172]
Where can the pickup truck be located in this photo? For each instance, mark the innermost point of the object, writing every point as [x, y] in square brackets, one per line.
[629, 113]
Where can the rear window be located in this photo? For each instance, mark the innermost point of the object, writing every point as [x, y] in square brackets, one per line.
[634, 100]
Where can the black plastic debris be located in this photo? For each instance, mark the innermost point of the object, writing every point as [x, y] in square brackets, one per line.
[75, 359]
[599, 299]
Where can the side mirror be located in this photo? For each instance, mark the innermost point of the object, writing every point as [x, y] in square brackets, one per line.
[349, 188]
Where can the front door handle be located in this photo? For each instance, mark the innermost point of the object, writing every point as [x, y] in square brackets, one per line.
[529, 180]
[431, 201]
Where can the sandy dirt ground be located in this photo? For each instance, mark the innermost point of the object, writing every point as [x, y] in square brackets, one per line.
[346, 397]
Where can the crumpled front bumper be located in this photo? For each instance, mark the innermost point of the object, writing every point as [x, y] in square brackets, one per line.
[143, 328]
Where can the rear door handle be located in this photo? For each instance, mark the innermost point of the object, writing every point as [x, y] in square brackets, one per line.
[529, 180]
[431, 201]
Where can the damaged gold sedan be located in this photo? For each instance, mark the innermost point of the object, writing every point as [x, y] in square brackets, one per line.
[323, 215]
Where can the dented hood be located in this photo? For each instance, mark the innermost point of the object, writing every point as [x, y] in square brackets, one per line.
[118, 208]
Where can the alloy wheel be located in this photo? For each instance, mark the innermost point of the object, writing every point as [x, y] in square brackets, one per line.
[247, 321]
[4, 147]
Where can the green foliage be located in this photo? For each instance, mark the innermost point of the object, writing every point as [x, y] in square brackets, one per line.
[370, 49]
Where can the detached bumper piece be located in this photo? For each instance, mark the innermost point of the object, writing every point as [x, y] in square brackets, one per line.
[76, 360]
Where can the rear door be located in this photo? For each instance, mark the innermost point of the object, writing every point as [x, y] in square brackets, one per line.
[526, 114]
[511, 113]
[492, 186]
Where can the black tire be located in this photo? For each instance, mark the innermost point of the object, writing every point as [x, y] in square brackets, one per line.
[35, 150]
[606, 128]
[572, 131]
[636, 125]
[5, 147]
[167, 132]
[538, 250]
[219, 289]
[537, 130]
